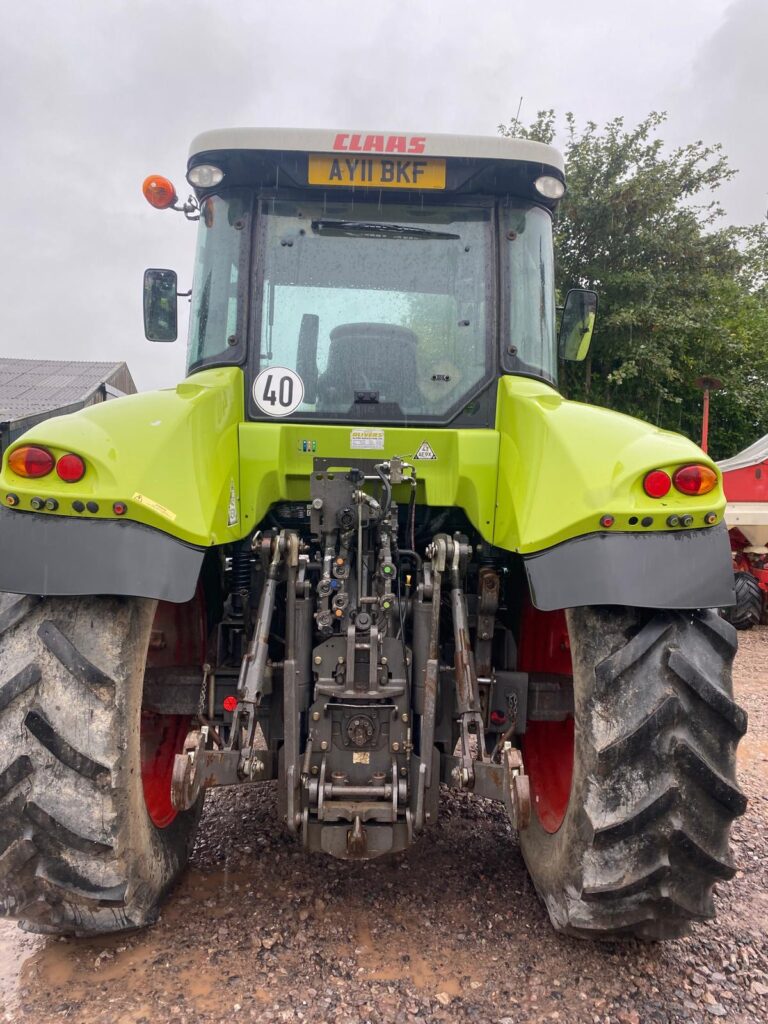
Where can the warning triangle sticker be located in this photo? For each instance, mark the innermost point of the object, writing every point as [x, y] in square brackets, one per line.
[425, 451]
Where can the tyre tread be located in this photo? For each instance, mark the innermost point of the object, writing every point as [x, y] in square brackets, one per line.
[663, 792]
[62, 648]
[36, 722]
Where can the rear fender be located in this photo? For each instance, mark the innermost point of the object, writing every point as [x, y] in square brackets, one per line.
[170, 456]
[563, 466]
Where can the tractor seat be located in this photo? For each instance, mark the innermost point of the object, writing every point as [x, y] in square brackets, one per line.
[372, 358]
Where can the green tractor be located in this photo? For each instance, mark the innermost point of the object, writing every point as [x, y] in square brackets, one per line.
[366, 549]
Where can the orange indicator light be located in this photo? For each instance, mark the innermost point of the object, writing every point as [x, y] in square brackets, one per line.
[159, 191]
[695, 479]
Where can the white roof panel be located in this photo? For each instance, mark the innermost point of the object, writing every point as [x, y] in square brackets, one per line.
[319, 140]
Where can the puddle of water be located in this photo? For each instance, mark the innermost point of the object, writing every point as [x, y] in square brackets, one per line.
[16, 949]
[383, 963]
[48, 970]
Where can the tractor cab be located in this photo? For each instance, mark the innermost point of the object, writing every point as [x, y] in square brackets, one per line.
[374, 277]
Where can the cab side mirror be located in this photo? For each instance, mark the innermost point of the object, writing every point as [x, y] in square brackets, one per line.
[577, 324]
[160, 306]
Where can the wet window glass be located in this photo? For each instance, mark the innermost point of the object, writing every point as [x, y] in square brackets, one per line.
[377, 305]
[216, 320]
[529, 345]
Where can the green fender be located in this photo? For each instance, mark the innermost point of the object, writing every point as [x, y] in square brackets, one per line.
[564, 465]
[170, 455]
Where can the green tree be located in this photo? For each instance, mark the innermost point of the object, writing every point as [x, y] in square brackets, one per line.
[680, 296]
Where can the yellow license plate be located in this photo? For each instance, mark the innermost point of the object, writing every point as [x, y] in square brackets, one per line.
[376, 171]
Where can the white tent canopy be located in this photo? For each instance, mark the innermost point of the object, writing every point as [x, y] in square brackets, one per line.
[752, 456]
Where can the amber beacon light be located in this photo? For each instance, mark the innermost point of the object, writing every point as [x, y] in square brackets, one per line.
[159, 191]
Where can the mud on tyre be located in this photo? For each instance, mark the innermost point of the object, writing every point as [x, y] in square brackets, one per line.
[632, 818]
[80, 852]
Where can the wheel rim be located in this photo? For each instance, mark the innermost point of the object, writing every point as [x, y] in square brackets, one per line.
[547, 746]
[548, 758]
[162, 738]
[177, 640]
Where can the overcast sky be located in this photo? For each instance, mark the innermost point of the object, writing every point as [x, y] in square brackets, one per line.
[96, 94]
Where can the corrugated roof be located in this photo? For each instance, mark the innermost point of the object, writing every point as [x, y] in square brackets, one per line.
[29, 387]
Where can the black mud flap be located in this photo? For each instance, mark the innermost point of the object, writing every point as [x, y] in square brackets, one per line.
[680, 569]
[61, 556]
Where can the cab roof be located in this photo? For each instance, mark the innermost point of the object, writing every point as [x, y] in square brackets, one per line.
[354, 161]
[321, 140]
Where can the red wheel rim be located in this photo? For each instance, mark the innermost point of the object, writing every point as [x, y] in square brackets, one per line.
[547, 746]
[177, 640]
[162, 738]
[548, 759]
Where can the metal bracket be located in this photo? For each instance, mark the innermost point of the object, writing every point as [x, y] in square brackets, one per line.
[505, 782]
[197, 769]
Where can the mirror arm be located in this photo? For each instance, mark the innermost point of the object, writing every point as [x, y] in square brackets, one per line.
[190, 209]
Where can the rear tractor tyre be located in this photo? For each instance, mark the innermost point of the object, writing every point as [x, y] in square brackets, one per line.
[88, 840]
[634, 797]
[748, 610]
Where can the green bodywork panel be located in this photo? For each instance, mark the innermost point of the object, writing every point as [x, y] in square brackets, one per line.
[170, 455]
[564, 465]
[185, 462]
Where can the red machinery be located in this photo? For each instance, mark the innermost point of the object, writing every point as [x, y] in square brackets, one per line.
[745, 481]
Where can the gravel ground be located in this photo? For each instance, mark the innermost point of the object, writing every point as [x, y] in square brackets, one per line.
[450, 931]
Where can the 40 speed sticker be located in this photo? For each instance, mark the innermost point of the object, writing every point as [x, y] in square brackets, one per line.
[278, 391]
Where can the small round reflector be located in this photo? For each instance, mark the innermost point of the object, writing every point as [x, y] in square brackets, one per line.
[159, 191]
[119, 508]
[694, 479]
[498, 718]
[657, 483]
[30, 461]
[12, 499]
[230, 703]
[70, 468]
[607, 521]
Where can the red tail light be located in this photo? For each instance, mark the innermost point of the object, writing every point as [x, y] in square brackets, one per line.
[657, 483]
[70, 468]
[30, 461]
[694, 479]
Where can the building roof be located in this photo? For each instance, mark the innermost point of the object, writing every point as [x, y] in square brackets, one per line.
[30, 387]
[374, 143]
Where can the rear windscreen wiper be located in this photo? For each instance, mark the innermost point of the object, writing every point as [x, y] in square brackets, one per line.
[364, 229]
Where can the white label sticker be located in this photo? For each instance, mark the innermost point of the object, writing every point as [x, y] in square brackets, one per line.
[278, 391]
[367, 439]
[232, 506]
[425, 452]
